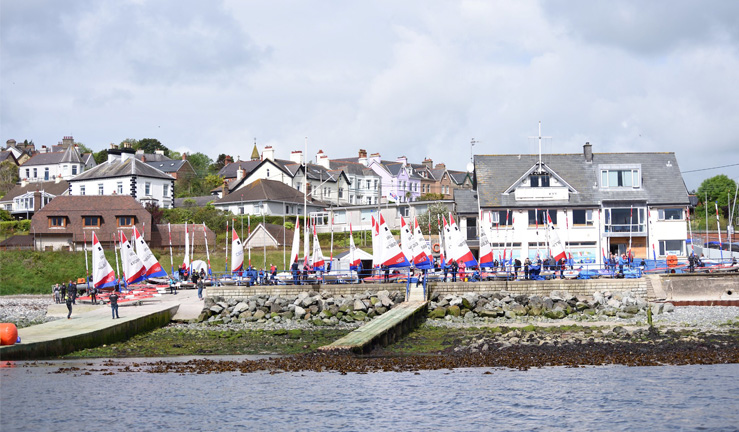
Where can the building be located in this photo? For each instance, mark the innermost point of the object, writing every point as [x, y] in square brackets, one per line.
[45, 166]
[269, 198]
[364, 183]
[269, 235]
[67, 221]
[26, 198]
[178, 169]
[123, 174]
[600, 203]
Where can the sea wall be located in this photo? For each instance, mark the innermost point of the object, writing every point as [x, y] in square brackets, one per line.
[701, 287]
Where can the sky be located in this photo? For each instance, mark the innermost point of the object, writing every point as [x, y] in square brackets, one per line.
[420, 79]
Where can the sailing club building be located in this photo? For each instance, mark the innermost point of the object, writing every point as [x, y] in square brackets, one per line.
[599, 203]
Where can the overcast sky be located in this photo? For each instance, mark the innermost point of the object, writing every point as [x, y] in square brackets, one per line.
[414, 78]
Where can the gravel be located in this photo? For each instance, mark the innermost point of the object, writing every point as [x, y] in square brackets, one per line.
[25, 310]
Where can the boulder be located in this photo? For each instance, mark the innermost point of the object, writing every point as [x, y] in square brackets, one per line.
[216, 309]
[555, 314]
[380, 310]
[240, 307]
[454, 311]
[259, 314]
[439, 312]
[299, 312]
[668, 307]
[518, 310]
[359, 305]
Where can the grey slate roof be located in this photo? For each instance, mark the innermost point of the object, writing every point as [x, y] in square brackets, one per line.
[266, 190]
[458, 177]
[166, 166]
[71, 155]
[465, 201]
[44, 159]
[52, 187]
[229, 171]
[153, 157]
[200, 201]
[7, 155]
[660, 183]
[118, 168]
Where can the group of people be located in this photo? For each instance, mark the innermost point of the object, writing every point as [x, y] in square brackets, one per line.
[300, 277]
[68, 293]
[261, 277]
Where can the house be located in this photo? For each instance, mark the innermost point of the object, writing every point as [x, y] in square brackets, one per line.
[68, 221]
[7, 155]
[364, 183]
[45, 166]
[123, 174]
[178, 169]
[600, 203]
[26, 198]
[267, 197]
[22, 152]
[269, 235]
[266, 169]
[318, 180]
[399, 182]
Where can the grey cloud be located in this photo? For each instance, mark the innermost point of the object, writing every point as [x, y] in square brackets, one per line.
[648, 27]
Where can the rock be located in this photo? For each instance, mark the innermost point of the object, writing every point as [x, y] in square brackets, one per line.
[299, 312]
[454, 310]
[657, 308]
[613, 303]
[360, 316]
[669, 307]
[359, 305]
[488, 313]
[534, 310]
[456, 301]
[518, 310]
[609, 311]
[439, 312]
[547, 304]
[555, 314]
[630, 309]
[259, 314]
[624, 315]
[380, 310]
[374, 300]
[581, 306]
[216, 309]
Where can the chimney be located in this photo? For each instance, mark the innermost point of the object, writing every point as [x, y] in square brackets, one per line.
[227, 160]
[44, 149]
[428, 163]
[184, 156]
[297, 156]
[402, 159]
[36, 201]
[362, 157]
[24, 182]
[126, 145]
[374, 157]
[224, 189]
[67, 141]
[587, 150]
[322, 159]
[113, 146]
[159, 152]
[239, 173]
[10, 143]
[58, 178]
[440, 166]
[268, 153]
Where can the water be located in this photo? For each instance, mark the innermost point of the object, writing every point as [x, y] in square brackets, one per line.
[613, 398]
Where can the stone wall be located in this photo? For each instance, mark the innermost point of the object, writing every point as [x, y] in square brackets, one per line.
[576, 287]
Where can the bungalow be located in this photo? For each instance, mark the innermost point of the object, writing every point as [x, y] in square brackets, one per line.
[26, 198]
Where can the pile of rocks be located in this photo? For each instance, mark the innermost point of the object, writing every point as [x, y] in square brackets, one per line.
[318, 308]
[25, 310]
[557, 305]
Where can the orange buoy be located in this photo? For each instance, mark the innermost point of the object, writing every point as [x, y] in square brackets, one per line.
[671, 260]
[8, 334]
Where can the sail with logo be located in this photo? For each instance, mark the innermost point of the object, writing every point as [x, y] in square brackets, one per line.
[134, 270]
[153, 268]
[237, 253]
[391, 255]
[103, 275]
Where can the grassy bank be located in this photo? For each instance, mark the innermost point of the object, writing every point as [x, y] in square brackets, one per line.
[34, 272]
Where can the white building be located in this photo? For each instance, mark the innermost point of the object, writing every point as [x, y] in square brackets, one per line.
[123, 174]
[49, 165]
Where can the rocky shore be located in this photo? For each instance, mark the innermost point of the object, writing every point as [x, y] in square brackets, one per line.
[25, 310]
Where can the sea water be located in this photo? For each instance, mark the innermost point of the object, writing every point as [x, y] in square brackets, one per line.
[606, 398]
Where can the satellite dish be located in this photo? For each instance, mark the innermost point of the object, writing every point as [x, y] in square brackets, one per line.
[470, 167]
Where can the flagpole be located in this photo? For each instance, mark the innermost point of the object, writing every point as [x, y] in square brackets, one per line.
[248, 221]
[115, 252]
[226, 269]
[331, 257]
[207, 252]
[690, 230]
[718, 229]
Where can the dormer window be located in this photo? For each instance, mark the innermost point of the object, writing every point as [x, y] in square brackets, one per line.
[539, 180]
[620, 178]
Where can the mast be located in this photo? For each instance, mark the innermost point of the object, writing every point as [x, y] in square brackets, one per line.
[207, 253]
[690, 230]
[305, 196]
[171, 258]
[87, 271]
[331, 255]
[718, 229]
[115, 252]
[226, 245]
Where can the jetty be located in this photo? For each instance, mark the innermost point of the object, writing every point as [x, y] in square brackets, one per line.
[95, 326]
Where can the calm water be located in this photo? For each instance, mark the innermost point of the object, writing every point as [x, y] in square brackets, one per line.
[612, 398]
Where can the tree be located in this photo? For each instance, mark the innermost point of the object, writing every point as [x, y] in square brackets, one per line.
[431, 197]
[83, 148]
[150, 145]
[100, 156]
[717, 189]
[8, 176]
[219, 163]
[156, 213]
[200, 163]
[434, 213]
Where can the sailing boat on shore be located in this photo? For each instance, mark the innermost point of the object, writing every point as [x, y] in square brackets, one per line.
[153, 268]
[103, 275]
[134, 270]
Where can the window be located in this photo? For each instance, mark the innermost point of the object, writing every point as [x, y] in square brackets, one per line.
[299, 187]
[241, 210]
[57, 221]
[626, 219]
[671, 247]
[125, 221]
[341, 192]
[375, 184]
[369, 184]
[671, 214]
[267, 173]
[74, 169]
[46, 173]
[28, 172]
[147, 189]
[35, 173]
[626, 178]
[119, 187]
[582, 217]
[340, 217]
[541, 180]
[82, 189]
[351, 199]
[369, 200]
[404, 211]
[90, 221]
[165, 190]
[100, 189]
[541, 216]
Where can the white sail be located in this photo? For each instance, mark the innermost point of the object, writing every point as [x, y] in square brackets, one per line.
[317, 261]
[406, 238]
[296, 243]
[153, 268]
[186, 261]
[376, 244]
[103, 275]
[134, 269]
[237, 253]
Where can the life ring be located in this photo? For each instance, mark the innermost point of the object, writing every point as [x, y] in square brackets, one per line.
[436, 248]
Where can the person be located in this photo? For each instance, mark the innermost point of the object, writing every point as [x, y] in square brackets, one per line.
[202, 274]
[55, 290]
[328, 267]
[296, 273]
[360, 272]
[113, 297]
[172, 286]
[516, 267]
[476, 276]
[195, 277]
[387, 273]
[621, 262]
[62, 292]
[526, 264]
[455, 268]
[93, 294]
[200, 289]
[72, 291]
[562, 266]
[68, 301]
[261, 276]
[446, 270]
[462, 271]
[272, 274]
[305, 273]
[181, 272]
